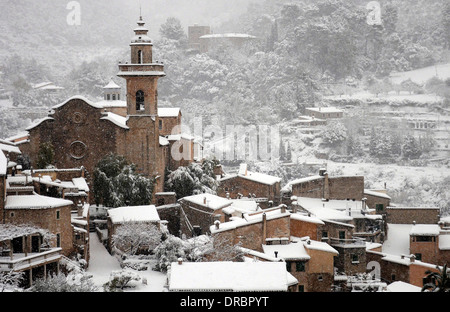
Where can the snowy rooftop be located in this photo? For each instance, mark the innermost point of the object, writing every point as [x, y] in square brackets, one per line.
[9, 148]
[302, 217]
[3, 164]
[250, 218]
[425, 229]
[111, 85]
[134, 214]
[208, 200]
[168, 111]
[324, 109]
[227, 35]
[229, 276]
[288, 186]
[336, 210]
[291, 251]
[111, 103]
[77, 97]
[255, 176]
[376, 193]
[38, 122]
[244, 205]
[35, 202]
[116, 119]
[400, 286]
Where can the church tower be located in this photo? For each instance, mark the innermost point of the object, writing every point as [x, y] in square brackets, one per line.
[141, 142]
[141, 75]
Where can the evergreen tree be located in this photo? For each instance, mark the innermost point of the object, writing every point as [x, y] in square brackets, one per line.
[411, 148]
[46, 155]
[116, 183]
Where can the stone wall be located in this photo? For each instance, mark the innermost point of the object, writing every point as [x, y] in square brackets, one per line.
[411, 215]
[239, 185]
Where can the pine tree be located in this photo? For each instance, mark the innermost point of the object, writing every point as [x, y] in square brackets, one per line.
[46, 155]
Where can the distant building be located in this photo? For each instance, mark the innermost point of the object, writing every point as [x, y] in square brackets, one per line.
[250, 184]
[234, 39]
[324, 112]
[194, 34]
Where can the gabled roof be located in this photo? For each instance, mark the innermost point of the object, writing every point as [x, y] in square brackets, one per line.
[211, 201]
[229, 276]
[146, 213]
[35, 201]
[77, 97]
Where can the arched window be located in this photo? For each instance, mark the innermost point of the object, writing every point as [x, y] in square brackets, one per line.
[140, 100]
[140, 57]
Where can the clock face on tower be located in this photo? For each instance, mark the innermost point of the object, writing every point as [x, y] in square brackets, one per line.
[78, 149]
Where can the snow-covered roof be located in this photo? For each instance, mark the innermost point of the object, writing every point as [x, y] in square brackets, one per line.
[38, 122]
[81, 184]
[111, 85]
[425, 230]
[146, 213]
[250, 218]
[316, 245]
[227, 35]
[116, 119]
[400, 286]
[229, 276]
[168, 111]
[211, 201]
[288, 186]
[111, 103]
[35, 201]
[291, 251]
[77, 97]
[3, 164]
[324, 109]
[310, 219]
[254, 176]
[9, 148]
[331, 210]
[244, 205]
[376, 193]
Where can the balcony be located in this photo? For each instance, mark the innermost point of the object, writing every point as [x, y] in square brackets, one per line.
[153, 69]
[352, 242]
[22, 261]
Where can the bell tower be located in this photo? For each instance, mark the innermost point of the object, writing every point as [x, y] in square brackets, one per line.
[141, 75]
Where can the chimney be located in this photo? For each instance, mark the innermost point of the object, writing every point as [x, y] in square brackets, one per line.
[283, 208]
[204, 200]
[412, 258]
[264, 227]
[326, 188]
[180, 261]
[217, 224]
[276, 254]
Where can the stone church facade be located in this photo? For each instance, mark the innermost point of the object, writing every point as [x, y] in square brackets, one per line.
[82, 132]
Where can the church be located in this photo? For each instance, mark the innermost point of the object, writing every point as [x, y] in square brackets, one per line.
[82, 132]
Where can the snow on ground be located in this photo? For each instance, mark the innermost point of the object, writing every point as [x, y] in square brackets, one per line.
[421, 75]
[101, 264]
[392, 97]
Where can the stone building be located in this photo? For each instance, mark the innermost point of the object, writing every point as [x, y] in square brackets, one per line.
[194, 33]
[250, 184]
[82, 131]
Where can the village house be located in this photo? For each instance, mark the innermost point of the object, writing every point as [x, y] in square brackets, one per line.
[230, 276]
[251, 184]
[324, 112]
[119, 216]
[23, 249]
[199, 211]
